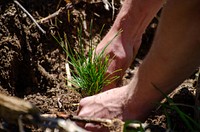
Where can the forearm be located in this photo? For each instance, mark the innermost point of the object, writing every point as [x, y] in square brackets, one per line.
[134, 17]
[174, 54]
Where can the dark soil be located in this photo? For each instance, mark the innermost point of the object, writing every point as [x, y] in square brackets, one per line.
[32, 65]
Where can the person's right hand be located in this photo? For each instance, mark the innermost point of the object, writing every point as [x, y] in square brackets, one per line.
[121, 55]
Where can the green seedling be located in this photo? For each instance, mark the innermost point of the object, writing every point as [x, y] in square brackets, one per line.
[89, 69]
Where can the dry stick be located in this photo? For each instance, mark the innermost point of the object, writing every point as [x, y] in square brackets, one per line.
[69, 77]
[103, 121]
[55, 14]
[40, 28]
[90, 120]
[114, 123]
[109, 122]
[44, 73]
[51, 121]
[79, 119]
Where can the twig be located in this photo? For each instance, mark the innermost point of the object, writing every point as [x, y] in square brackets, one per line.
[90, 119]
[40, 28]
[69, 77]
[105, 122]
[67, 68]
[108, 122]
[55, 14]
[44, 73]
[78, 118]
[66, 125]
[114, 125]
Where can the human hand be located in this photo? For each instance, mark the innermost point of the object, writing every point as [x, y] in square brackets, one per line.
[121, 54]
[110, 104]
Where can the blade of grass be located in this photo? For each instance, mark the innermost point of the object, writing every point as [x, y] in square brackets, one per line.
[180, 113]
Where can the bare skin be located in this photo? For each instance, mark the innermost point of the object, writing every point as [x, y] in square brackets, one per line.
[172, 58]
[125, 46]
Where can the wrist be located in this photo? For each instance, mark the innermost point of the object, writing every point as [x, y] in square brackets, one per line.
[142, 97]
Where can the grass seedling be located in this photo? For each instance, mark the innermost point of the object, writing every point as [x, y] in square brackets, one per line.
[89, 70]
